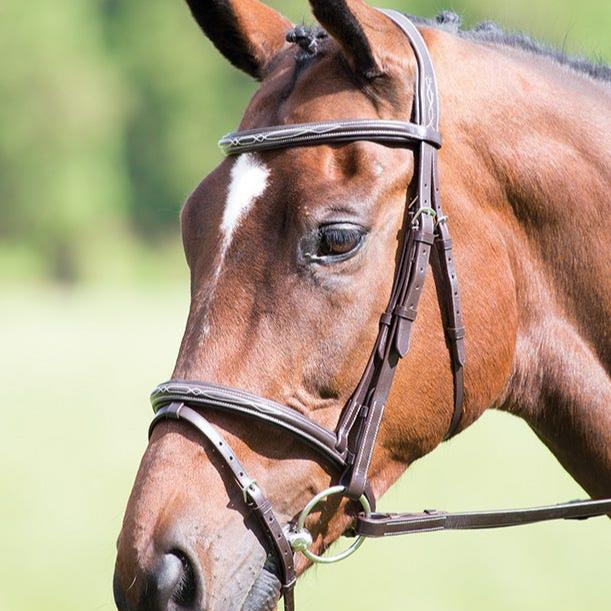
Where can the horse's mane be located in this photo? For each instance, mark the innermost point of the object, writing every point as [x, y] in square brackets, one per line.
[490, 32]
[485, 32]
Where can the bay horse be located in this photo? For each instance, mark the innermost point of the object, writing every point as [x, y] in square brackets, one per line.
[292, 255]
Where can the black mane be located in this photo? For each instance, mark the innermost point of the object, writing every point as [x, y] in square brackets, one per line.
[490, 32]
[307, 37]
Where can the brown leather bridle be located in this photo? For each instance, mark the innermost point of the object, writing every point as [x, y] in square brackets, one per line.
[350, 447]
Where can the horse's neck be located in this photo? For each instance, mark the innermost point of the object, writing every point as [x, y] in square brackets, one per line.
[538, 145]
[531, 138]
[552, 161]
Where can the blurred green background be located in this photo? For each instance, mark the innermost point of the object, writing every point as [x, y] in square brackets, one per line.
[109, 115]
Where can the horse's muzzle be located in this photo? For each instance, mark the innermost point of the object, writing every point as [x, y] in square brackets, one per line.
[174, 583]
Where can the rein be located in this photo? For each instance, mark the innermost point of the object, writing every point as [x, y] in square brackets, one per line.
[349, 448]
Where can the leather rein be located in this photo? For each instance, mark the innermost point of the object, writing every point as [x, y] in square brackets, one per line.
[350, 446]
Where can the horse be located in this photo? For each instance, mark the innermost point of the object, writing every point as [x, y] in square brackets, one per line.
[292, 255]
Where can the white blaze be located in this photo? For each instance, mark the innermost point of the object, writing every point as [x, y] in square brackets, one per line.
[248, 181]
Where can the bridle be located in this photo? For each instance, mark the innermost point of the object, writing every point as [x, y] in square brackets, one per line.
[349, 448]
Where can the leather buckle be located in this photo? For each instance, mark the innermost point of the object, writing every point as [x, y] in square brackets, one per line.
[386, 319]
[405, 312]
[443, 244]
[455, 333]
[425, 237]
[247, 489]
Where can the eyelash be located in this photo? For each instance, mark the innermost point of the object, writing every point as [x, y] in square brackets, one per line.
[330, 236]
[334, 243]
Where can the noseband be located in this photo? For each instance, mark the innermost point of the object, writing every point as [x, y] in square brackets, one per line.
[349, 448]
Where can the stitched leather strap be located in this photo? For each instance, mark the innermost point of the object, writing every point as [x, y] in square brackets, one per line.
[385, 525]
[360, 422]
[328, 132]
[214, 396]
[448, 297]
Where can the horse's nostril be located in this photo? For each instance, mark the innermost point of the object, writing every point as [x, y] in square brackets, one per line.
[186, 589]
[175, 581]
[118, 593]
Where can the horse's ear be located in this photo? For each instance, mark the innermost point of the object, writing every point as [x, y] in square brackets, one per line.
[246, 32]
[359, 29]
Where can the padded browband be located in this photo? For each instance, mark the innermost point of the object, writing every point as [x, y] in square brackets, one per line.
[331, 132]
[216, 397]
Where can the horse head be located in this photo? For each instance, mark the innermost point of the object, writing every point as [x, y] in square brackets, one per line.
[292, 255]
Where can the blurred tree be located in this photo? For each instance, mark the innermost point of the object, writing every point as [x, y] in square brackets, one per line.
[181, 97]
[110, 111]
[60, 120]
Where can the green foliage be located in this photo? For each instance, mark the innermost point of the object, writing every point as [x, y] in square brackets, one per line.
[111, 111]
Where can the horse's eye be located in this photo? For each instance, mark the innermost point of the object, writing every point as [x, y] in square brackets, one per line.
[338, 241]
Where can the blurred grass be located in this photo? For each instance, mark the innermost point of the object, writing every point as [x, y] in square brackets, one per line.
[76, 367]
